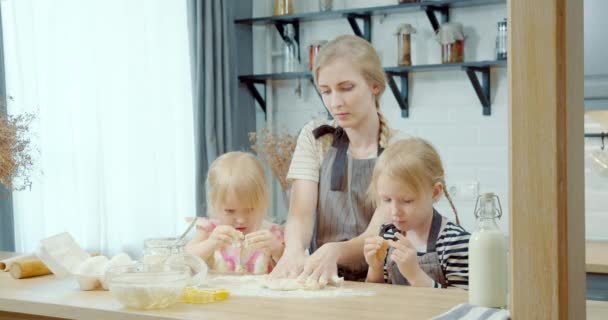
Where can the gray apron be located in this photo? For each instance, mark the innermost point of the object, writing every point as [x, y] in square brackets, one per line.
[429, 262]
[343, 211]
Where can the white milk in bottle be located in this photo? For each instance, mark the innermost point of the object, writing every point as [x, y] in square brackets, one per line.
[488, 256]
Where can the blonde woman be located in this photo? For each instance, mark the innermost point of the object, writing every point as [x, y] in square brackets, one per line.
[236, 237]
[419, 246]
[332, 166]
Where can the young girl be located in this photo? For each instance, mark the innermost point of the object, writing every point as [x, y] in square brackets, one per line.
[420, 247]
[236, 237]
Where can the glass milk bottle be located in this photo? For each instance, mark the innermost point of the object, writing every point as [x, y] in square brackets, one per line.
[488, 256]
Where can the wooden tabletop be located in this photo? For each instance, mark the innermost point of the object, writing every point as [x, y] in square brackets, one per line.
[47, 296]
[596, 257]
[60, 298]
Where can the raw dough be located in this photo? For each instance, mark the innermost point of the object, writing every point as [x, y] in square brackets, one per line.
[296, 284]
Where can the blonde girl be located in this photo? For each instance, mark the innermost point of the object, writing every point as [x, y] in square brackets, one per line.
[236, 237]
[332, 166]
[419, 246]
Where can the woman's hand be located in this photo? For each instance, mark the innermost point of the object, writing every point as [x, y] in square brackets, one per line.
[265, 240]
[290, 265]
[375, 252]
[406, 258]
[321, 266]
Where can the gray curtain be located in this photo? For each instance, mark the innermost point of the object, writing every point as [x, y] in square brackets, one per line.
[224, 111]
[7, 232]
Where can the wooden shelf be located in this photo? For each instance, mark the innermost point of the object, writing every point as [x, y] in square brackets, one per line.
[481, 87]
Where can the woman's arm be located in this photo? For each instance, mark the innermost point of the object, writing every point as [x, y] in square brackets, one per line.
[323, 264]
[299, 228]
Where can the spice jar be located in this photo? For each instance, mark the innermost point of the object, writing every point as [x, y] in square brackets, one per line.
[501, 40]
[325, 5]
[313, 50]
[451, 38]
[404, 49]
[283, 7]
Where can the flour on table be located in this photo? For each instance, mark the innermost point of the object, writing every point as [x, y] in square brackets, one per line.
[258, 286]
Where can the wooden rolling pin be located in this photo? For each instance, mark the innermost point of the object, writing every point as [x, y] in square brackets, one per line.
[33, 267]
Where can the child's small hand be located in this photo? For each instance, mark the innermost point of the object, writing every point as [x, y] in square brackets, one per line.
[224, 235]
[374, 251]
[264, 239]
[406, 258]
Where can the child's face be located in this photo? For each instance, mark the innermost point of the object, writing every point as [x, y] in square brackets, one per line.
[233, 213]
[407, 210]
[346, 93]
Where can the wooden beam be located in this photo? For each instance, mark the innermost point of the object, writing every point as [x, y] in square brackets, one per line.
[546, 159]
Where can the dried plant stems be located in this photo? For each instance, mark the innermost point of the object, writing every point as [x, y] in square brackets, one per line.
[277, 150]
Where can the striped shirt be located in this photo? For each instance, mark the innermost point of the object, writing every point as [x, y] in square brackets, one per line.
[309, 153]
[452, 248]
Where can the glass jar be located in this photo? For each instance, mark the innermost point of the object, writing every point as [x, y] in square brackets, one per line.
[283, 7]
[158, 249]
[404, 49]
[159, 252]
[451, 38]
[325, 5]
[488, 256]
[313, 50]
[501, 40]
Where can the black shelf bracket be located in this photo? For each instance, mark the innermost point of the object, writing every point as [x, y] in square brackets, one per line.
[367, 25]
[280, 25]
[443, 11]
[256, 94]
[402, 96]
[481, 89]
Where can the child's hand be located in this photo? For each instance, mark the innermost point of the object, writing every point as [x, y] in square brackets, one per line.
[406, 258]
[224, 235]
[374, 250]
[264, 239]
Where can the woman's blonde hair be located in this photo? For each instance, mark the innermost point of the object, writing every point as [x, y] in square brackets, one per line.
[364, 57]
[413, 162]
[241, 173]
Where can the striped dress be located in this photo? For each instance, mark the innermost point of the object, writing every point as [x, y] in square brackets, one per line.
[453, 250]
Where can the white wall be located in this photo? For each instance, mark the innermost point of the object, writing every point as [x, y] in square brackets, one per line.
[443, 106]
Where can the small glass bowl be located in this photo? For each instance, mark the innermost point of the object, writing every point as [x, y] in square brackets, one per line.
[144, 286]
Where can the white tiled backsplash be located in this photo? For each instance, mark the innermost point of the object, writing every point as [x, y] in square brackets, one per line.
[443, 106]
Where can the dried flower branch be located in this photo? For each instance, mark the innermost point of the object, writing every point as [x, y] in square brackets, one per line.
[15, 151]
[277, 150]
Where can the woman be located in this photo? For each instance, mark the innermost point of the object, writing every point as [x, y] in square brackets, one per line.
[332, 166]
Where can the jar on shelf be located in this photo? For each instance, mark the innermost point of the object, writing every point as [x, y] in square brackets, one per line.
[313, 50]
[325, 5]
[501, 40]
[451, 38]
[404, 47]
[283, 7]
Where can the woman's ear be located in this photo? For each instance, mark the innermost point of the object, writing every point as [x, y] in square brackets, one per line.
[437, 191]
[375, 89]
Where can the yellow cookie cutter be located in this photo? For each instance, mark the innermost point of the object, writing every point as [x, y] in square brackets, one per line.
[198, 295]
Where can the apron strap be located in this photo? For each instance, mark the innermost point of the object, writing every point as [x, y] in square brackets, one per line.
[434, 232]
[340, 165]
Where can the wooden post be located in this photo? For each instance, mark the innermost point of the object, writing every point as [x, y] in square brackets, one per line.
[546, 159]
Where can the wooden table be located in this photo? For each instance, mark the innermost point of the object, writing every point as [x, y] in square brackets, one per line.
[50, 298]
[596, 257]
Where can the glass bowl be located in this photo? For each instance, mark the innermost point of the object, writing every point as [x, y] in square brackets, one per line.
[145, 286]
